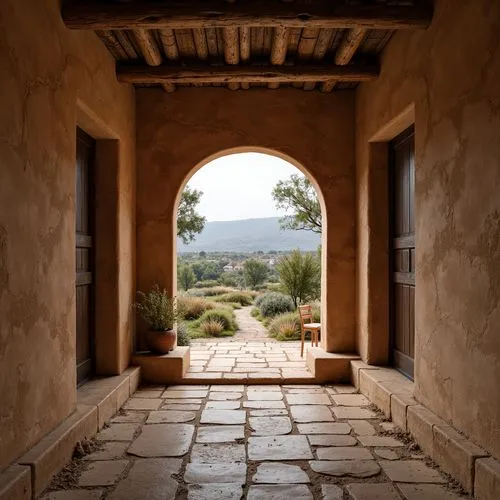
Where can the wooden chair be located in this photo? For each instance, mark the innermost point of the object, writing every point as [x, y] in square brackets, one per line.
[306, 325]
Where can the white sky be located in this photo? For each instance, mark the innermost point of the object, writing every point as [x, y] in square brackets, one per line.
[239, 186]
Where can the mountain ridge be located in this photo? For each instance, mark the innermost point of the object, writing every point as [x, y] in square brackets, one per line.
[249, 235]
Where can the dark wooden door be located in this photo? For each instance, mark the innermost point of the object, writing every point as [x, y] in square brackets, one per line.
[402, 248]
[85, 150]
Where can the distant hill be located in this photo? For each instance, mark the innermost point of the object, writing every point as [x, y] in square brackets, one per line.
[250, 235]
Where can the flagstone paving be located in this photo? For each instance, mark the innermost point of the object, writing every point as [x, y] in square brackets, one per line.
[257, 442]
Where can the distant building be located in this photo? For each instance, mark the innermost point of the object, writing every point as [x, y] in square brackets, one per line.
[228, 268]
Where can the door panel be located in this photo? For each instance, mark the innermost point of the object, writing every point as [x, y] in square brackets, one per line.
[84, 215]
[402, 245]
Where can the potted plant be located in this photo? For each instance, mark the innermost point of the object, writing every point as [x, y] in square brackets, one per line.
[160, 312]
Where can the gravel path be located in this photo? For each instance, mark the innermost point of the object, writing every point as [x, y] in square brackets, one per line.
[250, 328]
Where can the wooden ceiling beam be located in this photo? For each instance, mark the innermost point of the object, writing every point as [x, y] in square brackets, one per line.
[148, 46]
[149, 14]
[248, 74]
[349, 45]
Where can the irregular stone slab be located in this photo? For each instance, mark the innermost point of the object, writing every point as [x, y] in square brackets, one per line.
[373, 491]
[326, 428]
[74, 495]
[331, 440]
[280, 473]
[228, 491]
[308, 399]
[149, 478]
[187, 388]
[223, 405]
[142, 404]
[227, 388]
[181, 407]
[344, 453]
[410, 471]
[225, 396]
[170, 416]
[102, 473]
[218, 453]
[265, 396]
[331, 492]
[270, 426]
[268, 413]
[118, 432]
[362, 427]
[279, 492]
[220, 433]
[109, 451]
[386, 454]
[311, 413]
[381, 441]
[150, 393]
[187, 401]
[228, 417]
[350, 400]
[279, 448]
[427, 492]
[263, 404]
[352, 412]
[216, 473]
[263, 388]
[129, 417]
[185, 394]
[304, 391]
[339, 468]
[344, 389]
[163, 440]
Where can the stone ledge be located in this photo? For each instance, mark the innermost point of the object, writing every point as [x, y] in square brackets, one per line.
[487, 480]
[393, 394]
[163, 369]
[15, 483]
[100, 400]
[329, 367]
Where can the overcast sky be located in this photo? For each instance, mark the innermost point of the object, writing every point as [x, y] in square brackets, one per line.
[239, 186]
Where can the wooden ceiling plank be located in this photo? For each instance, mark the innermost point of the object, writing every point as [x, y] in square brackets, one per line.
[232, 51]
[251, 74]
[322, 44]
[305, 51]
[112, 44]
[279, 49]
[127, 45]
[211, 35]
[200, 43]
[350, 45]
[169, 43]
[148, 47]
[202, 13]
[244, 50]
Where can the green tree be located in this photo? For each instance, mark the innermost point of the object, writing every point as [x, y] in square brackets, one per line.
[298, 195]
[198, 269]
[255, 272]
[189, 222]
[186, 277]
[300, 276]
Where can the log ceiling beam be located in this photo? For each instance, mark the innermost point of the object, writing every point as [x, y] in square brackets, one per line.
[148, 14]
[243, 74]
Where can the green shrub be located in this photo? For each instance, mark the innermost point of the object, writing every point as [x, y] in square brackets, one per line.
[271, 304]
[182, 335]
[157, 308]
[242, 298]
[274, 287]
[225, 316]
[192, 307]
[210, 292]
[212, 327]
[285, 327]
[206, 284]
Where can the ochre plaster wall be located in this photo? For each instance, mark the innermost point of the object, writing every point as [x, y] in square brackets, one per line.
[50, 80]
[177, 131]
[451, 73]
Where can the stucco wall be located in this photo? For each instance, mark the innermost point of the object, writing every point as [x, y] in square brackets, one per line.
[451, 73]
[50, 80]
[177, 131]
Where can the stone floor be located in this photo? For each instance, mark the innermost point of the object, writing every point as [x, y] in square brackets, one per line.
[214, 360]
[257, 442]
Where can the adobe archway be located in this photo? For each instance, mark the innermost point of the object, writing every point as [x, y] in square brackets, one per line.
[173, 143]
[288, 159]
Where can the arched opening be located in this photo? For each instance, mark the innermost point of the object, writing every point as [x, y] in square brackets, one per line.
[295, 167]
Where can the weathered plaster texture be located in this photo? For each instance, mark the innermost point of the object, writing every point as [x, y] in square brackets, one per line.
[45, 70]
[177, 132]
[451, 73]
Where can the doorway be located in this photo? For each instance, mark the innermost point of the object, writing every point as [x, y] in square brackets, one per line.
[84, 237]
[402, 250]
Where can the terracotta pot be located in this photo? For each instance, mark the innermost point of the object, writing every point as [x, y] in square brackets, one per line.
[160, 342]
